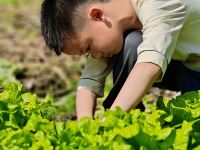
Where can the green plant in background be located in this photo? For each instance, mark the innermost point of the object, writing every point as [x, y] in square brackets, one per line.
[17, 2]
[11, 2]
[66, 106]
[107, 88]
[7, 72]
[27, 122]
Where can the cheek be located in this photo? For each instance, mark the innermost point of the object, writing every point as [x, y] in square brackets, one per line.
[108, 40]
[110, 45]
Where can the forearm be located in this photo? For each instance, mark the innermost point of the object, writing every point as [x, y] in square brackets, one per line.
[85, 103]
[140, 79]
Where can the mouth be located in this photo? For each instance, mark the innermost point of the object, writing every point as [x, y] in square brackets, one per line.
[103, 55]
[109, 55]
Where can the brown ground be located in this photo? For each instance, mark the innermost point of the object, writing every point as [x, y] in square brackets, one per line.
[22, 44]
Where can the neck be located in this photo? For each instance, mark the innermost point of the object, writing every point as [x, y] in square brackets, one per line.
[125, 15]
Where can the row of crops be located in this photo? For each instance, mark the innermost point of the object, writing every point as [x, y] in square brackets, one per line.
[28, 122]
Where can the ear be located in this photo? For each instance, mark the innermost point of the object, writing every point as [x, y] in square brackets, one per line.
[96, 14]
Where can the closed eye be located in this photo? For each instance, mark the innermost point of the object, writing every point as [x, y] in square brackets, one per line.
[88, 49]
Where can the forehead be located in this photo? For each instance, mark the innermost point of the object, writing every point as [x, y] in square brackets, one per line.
[73, 45]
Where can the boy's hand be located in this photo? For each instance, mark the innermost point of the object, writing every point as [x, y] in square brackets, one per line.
[85, 103]
[140, 79]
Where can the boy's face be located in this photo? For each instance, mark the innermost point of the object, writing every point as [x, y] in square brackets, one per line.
[100, 37]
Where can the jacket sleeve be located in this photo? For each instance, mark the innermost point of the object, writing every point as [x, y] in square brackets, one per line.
[162, 22]
[94, 75]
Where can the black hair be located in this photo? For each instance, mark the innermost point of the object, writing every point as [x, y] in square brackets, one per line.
[59, 18]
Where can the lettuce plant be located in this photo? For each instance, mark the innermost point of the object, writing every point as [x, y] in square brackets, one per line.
[27, 122]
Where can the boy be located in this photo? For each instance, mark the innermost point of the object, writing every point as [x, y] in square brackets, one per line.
[166, 49]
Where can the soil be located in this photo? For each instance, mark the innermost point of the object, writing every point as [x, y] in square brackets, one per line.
[21, 43]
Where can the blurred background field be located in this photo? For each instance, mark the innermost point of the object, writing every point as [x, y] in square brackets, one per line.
[25, 59]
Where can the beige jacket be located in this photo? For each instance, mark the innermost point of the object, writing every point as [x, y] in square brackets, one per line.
[171, 30]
